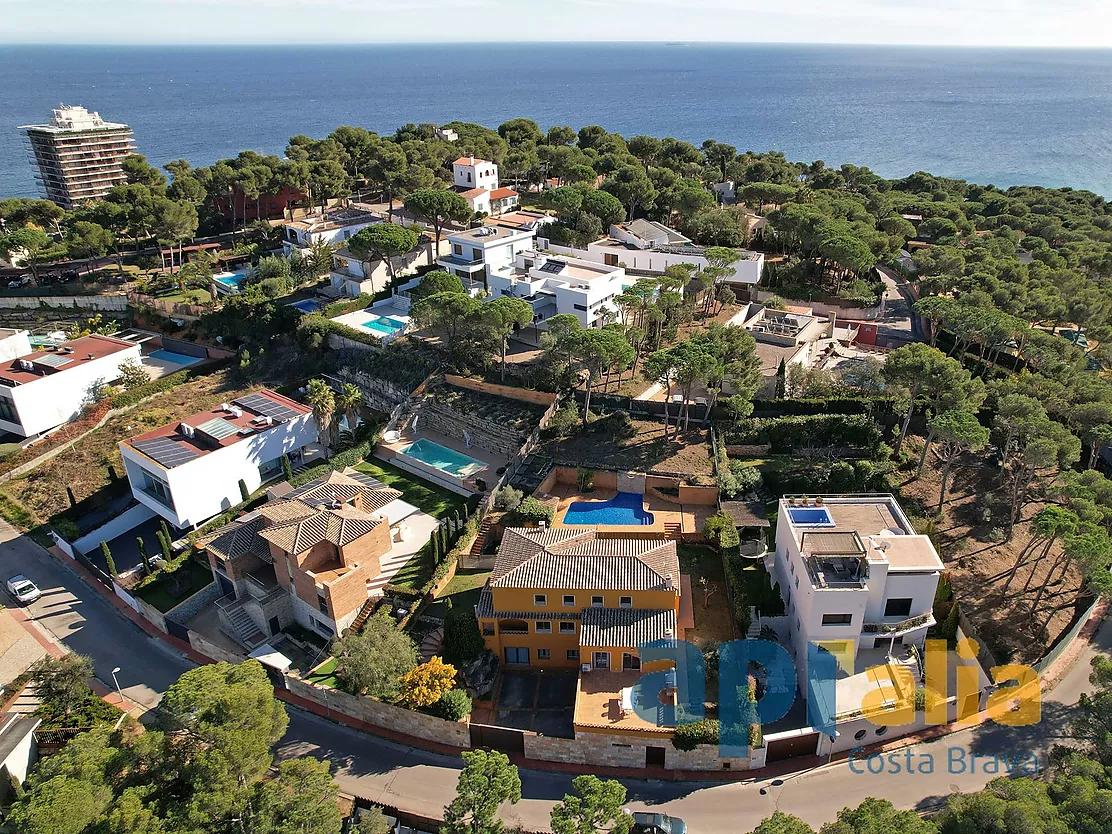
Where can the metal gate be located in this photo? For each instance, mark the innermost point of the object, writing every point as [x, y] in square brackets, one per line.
[498, 738]
[788, 748]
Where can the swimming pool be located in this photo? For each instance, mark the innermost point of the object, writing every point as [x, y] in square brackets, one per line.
[175, 358]
[383, 325]
[443, 458]
[306, 305]
[811, 516]
[623, 508]
[229, 281]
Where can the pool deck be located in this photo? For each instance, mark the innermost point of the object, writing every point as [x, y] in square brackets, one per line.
[388, 451]
[670, 520]
[157, 368]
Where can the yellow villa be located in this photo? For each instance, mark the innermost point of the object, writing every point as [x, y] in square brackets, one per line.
[563, 597]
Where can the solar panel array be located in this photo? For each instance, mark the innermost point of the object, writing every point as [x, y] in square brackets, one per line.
[53, 360]
[553, 266]
[166, 451]
[218, 428]
[268, 407]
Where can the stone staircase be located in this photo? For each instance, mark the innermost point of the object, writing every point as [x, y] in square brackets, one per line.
[673, 530]
[241, 627]
[364, 614]
[26, 702]
[754, 625]
[477, 546]
[433, 644]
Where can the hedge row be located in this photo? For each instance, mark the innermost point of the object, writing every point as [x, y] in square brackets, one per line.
[349, 305]
[786, 434]
[833, 405]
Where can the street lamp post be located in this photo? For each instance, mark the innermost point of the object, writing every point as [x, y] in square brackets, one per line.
[119, 691]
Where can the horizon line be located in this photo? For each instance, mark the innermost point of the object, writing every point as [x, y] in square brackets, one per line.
[561, 42]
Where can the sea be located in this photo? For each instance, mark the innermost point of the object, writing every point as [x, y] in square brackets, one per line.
[1000, 116]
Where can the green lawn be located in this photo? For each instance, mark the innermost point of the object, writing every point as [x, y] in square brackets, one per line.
[325, 674]
[417, 571]
[463, 590]
[434, 500]
[191, 295]
[157, 593]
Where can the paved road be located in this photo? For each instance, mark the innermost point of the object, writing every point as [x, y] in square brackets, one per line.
[898, 321]
[424, 782]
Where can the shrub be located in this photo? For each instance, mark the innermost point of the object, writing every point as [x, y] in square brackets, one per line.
[508, 498]
[690, 736]
[463, 641]
[787, 434]
[738, 479]
[454, 705]
[720, 530]
[564, 423]
[108, 560]
[531, 511]
[427, 683]
[585, 479]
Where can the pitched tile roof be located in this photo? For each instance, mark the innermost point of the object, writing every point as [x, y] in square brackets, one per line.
[568, 558]
[625, 627]
[319, 511]
[502, 193]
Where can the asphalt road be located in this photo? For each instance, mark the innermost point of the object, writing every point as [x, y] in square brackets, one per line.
[423, 782]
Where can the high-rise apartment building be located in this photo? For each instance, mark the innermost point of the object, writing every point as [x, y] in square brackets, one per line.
[78, 154]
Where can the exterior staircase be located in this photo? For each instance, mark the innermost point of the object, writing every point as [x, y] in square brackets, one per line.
[364, 614]
[433, 644]
[673, 530]
[476, 551]
[240, 626]
[754, 625]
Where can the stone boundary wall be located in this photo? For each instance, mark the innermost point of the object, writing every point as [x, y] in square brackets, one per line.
[823, 309]
[191, 606]
[397, 719]
[99, 303]
[699, 495]
[210, 649]
[378, 393]
[609, 750]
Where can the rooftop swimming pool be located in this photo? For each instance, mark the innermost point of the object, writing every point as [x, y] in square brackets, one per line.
[625, 508]
[175, 358]
[811, 516]
[442, 458]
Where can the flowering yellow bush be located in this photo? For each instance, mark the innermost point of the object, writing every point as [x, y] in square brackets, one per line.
[425, 684]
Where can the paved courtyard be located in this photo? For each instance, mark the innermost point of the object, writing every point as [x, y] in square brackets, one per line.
[543, 702]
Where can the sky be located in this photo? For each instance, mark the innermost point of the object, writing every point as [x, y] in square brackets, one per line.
[1060, 23]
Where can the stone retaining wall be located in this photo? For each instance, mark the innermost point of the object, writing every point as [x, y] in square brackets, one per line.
[210, 649]
[397, 719]
[484, 433]
[99, 303]
[190, 607]
[609, 750]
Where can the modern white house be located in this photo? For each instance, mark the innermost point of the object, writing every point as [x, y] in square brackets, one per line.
[648, 248]
[553, 285]
[190, 470]
[856, 579]
[43, 389]
[334, 226]
[475, 254]
[352, 277]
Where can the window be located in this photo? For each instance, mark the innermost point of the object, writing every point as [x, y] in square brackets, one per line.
[897, 607]
[157, 488]
[544, 627]
[567, 627]
[625, 602]
[860, 734]
[581, 307]
[7, 410]
[477, 254]
[836, 619]
[601, 660]
[597, 602]
[630, 662]
[543, 654]
[540, 599]
[323, 628]
[322, 604]
[573, 654]
[469, 176]
[569, 600]
[517, 654]
[457, 249]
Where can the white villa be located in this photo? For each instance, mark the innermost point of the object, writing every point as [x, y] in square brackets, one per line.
[40, 390]
[190, 470]
[553, 285]
[476, 180]
[476, 254]
[333, 226]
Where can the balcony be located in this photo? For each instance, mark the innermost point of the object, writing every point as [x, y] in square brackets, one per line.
[263, 592]
[895, 629]
[461, 262]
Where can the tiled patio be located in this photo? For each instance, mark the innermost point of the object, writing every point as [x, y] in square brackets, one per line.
[598, 703]
[670, 520]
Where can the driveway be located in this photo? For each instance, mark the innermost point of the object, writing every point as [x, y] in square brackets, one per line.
[899, 323]
[424, 782]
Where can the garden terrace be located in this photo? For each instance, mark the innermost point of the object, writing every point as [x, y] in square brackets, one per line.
[495, 423]
[650, 447]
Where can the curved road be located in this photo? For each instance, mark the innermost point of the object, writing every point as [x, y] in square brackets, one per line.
[424, 782]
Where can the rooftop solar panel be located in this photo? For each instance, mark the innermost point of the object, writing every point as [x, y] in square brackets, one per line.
[553, 266]
[261, 404]
[166, 451]
[218, 428]
[53, 360]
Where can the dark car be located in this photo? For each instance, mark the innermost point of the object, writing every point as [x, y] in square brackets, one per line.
[658, 824]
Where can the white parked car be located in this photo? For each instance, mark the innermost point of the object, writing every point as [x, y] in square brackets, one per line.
[23, 589]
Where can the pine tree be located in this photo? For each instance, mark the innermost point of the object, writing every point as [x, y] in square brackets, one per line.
[781, 380]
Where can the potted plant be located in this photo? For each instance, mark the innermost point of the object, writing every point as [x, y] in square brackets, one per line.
[818, 500]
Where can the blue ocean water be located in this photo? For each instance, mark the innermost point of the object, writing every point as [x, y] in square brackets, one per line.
[994, 116]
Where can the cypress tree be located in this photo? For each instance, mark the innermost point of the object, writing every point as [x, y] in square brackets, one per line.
[287, 468]
[143, 554]
[243, 490]
[108, 560]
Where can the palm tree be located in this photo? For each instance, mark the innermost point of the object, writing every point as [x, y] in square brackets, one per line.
[348, 403]
[323, 400]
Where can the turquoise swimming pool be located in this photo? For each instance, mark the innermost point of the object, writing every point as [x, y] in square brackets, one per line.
[443, 458]
[229, 281]
[383, 325]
